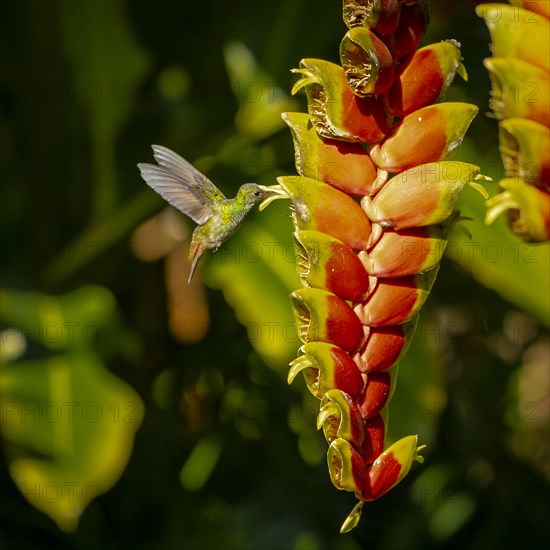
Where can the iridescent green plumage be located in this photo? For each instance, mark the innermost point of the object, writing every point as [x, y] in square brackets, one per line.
[191, 192]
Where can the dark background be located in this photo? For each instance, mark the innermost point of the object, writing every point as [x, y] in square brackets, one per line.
[227, 454]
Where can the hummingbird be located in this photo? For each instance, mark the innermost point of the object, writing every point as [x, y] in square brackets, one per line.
[192, 193]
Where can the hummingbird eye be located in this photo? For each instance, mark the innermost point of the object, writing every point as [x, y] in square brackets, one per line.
[257, 193]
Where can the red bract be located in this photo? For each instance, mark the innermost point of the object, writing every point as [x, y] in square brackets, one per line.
[374, 431]
[320, 207]
[324, 317]
[346, 166]
[327, 367]
[407, 251]
[423, 77]
[440, 128]
[334, 110]
[380, 15]
[396, 300]
[384, 346]
[367, 62]
[325, 262]
[375, 394]
[409, 32]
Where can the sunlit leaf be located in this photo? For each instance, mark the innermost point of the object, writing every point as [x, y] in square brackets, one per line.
[68, 424]
[201, 462]
[68, 430]
[261, 100]
[82, 317]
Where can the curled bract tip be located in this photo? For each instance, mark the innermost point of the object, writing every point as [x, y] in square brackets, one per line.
[299, 364]
[478, 187]
[328, 410]
[461, 70]
[307, 79]
[417, 456]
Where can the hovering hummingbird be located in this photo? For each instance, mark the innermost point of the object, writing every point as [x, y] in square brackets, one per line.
[191, 192]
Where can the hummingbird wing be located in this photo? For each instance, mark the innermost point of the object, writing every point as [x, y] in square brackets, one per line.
[178, 192]
[185, 170]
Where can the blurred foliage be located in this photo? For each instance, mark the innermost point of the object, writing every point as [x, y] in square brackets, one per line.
[68, 424]
[227, 454]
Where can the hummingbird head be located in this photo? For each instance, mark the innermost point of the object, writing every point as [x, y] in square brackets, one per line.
[252, 193]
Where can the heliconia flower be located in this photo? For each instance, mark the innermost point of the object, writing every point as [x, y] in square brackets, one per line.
[424, 77]
[367, 269]
[384, 346]
[409, 32]
[519, 89]
[525, 150]
[374, 435]
[408, 251]
[326, 367]
[396, 300]
[391, 467]
[376, 393]
[517, 33]
[440, 128]
[320, 207]
[339, 416]
[324, 317]
[346, 166]
[346, 466]
[367, 62]
[521, 101]
[335, 111]
[423, 195]
[325, 262]
[380, 15]
[527, 206]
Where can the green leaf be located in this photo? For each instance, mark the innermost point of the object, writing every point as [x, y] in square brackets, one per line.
[261, 100]
[68, 424]
[201, 462]
[68, 429]
[82, 317]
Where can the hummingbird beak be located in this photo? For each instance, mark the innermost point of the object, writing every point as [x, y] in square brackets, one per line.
[274, 192]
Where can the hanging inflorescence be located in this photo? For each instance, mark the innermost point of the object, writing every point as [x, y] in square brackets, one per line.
[520, 76]
[376, 130]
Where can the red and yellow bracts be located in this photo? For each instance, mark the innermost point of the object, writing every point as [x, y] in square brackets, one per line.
[520, 79]
[372, 204]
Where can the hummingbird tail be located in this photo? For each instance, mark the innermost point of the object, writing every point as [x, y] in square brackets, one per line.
[196, 252]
